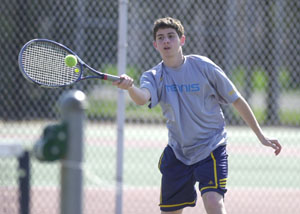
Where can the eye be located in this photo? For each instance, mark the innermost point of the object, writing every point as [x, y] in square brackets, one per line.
[160, 38]
[171, 36]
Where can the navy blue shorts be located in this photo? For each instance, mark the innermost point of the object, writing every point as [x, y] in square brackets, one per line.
[178, 180]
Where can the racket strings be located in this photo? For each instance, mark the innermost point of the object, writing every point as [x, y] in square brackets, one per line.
[44, 63]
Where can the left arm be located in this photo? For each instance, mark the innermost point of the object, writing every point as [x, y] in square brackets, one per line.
[246, 113]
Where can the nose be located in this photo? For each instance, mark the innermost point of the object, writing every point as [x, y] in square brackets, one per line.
[166, 40]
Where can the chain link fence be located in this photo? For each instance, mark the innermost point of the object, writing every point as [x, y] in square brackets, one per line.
[255, 42]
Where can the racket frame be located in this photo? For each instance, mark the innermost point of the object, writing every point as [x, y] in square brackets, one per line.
[81, 65]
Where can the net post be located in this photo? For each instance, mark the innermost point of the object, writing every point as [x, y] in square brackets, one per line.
[72, 105]
[24, 183]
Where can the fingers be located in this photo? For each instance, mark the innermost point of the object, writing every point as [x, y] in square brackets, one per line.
[124, 83]
[272, 143]
[276, 146]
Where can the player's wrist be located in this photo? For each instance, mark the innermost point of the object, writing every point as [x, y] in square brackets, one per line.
[131, 87]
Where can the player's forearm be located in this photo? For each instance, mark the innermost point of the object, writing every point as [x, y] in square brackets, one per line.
[138, 95]
[246, 113]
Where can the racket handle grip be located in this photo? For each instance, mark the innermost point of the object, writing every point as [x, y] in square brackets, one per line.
[111, 77]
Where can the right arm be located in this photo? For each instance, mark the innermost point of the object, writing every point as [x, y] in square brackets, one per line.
[139, 95]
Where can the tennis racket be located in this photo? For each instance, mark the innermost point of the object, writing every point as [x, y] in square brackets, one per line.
[42, 62]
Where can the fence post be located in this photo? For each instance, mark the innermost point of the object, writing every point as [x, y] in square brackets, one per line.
[122, 49]
[72, 106]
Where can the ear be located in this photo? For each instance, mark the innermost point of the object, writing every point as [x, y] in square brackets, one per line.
[182, 40]
[155, 44]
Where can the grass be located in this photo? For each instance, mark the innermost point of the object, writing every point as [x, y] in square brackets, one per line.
[106, 109]
[286, 117]
[289, 117]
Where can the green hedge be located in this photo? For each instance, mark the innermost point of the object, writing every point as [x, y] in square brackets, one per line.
[106, 108]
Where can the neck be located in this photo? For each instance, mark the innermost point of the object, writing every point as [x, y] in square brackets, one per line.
[174, 62]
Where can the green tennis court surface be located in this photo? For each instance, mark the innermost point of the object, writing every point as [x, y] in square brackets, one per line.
[253, 170]
[250, 163]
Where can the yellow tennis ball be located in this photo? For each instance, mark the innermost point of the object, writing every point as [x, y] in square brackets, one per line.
[76, 70]
[70, 60]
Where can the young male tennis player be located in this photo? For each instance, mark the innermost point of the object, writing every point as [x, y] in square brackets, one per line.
[190, 89]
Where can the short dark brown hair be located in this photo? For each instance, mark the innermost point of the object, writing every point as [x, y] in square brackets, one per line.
[168, 22]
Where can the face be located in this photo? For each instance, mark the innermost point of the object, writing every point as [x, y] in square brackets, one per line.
[168, 43]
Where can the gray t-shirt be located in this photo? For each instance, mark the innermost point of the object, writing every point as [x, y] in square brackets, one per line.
[190, 98]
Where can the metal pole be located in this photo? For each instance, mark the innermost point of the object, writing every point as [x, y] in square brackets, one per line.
[72, 108]
[277, 61]
[80, 21]
[24, 180]
[230, 45]
[122, 48]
